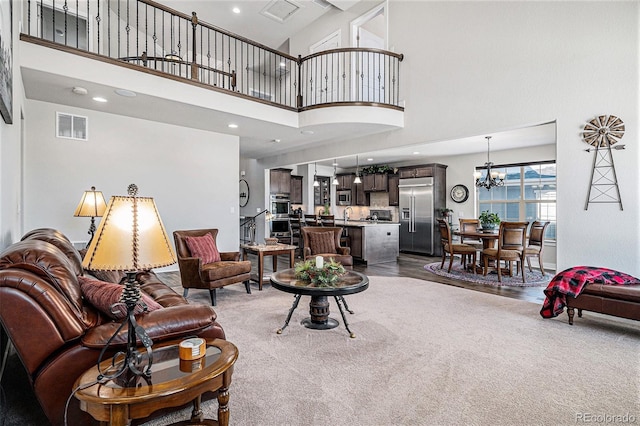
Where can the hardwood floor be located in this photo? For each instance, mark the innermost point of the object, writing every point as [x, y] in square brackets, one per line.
[408, 265]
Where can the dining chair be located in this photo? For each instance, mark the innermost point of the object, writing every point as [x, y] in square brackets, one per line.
[295, 223]
[470, 225]
[327, 220]
[536, 243]
[311, 220]
[452, 249]
[512, 237]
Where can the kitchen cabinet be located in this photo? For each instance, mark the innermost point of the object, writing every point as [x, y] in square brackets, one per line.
[416, 171]
[296, 189]
[345, 181]
[358, 196]
[375, 182]
[373, 243]
[322, 192]
[280, 181]
[394, 193]
[355, 236]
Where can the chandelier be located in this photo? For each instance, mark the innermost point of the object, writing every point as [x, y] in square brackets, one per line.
[492, 178]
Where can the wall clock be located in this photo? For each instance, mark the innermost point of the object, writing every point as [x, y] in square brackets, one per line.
[244, 192]
[459, 193]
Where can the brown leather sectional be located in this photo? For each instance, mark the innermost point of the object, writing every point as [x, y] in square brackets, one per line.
[619, 301]
[57, 335]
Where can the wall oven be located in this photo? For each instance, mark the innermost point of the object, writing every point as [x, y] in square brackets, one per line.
[280, 228]
[280, 205]
[343, 198]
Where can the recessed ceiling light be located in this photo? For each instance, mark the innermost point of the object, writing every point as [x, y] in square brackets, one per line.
[307, 132]
[236, 10]
[79, 90]
[276, 140]
[416, 152]
[232, 126]
[99, 99]
[126, 93]
[369, 159]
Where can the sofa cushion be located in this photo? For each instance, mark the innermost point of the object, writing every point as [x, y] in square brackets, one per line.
[203, 247]
[322, 242]
[223, 269]
[105, 297]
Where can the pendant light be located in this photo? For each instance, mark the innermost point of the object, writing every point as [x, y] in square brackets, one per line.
[492, 178]
[357, 179]
[335, 176]
[315, 175]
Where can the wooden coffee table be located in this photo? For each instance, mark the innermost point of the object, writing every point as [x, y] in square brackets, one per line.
[173, 383]
[350, 283]
[263, 250]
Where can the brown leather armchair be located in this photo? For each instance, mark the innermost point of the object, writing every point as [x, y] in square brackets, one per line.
[325, 241]
[57, 335]
[210, 276]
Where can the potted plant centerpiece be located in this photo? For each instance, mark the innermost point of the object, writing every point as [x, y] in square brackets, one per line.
[445, 212]
[489, 221]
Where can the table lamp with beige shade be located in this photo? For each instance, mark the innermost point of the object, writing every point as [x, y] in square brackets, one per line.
[91, 205]
[130, 238]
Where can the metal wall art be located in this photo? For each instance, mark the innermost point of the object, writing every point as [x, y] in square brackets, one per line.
[602, 133]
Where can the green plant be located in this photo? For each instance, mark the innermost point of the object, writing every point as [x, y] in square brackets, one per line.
[488, 218]
[383, 168]
[327, 276]
[445, 211]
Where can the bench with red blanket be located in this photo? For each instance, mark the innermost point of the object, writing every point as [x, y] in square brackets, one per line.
[594, 289]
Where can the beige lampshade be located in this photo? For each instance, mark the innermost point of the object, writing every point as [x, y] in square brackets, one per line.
[91, 204]
[130, 242]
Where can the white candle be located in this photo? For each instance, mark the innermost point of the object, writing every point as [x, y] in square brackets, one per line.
[319, 262]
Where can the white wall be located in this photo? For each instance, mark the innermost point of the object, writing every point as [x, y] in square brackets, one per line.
[473, 68]
[191, 174]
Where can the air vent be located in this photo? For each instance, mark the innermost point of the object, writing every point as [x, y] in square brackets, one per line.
[69, 126]
[280, 10]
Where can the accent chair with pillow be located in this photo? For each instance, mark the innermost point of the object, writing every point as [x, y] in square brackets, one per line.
[325, 241]
[203, 266]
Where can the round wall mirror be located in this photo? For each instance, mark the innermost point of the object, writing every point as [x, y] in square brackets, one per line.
[244, 192]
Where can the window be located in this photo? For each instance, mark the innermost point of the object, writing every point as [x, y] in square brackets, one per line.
[528, 194]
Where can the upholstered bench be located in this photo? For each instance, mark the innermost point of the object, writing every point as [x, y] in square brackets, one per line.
[619, 301]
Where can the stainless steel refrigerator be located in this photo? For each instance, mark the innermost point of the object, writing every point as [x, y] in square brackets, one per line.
[417, 215]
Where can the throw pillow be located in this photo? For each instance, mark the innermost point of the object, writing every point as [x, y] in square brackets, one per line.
[322, 242]
[204, 247]
[103, 295]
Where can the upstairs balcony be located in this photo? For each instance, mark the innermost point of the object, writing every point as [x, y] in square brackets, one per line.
[146, 36]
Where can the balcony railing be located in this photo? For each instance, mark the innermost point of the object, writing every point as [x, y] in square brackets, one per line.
[147, 35]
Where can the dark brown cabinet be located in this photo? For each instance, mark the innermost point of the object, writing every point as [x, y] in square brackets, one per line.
[322, 192]
[358, 196]
[355, 238]
[296, 190]
[376, 182]
[415, 171]
[344, 181]
[280, 181]
[394, 193]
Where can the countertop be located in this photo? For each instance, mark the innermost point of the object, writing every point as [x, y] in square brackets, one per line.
[363, 223]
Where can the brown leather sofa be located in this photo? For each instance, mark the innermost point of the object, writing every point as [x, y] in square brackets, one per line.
[57, 335]
[619, 301]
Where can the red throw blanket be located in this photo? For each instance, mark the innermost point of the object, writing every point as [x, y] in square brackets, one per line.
[570, 282]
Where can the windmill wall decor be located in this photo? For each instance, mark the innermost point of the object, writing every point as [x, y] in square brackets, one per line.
[602, 133]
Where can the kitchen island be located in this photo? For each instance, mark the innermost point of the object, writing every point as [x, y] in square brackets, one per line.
[372, 242]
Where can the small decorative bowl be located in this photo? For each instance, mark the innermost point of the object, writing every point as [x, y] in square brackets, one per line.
[271, 241]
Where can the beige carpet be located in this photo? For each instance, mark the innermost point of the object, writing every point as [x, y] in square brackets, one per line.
[425, 354]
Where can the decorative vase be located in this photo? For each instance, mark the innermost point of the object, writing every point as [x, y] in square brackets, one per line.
[489, 226]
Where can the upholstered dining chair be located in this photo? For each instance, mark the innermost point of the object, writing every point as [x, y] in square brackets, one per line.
[512, 238]
[203, 266]
[536, 243]
[452, 249]
[325, 241]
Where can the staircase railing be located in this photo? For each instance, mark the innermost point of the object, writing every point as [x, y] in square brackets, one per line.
[149, 35]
